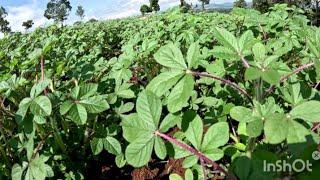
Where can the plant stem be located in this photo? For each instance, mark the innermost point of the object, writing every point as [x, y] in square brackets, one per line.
[195, 152]
[225, 81]
[284, 78]
[204, 169]
[299, 69]
[245, 62]
[57, 136]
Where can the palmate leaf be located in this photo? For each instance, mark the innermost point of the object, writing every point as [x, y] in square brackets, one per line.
[139, 130]
[170, 56]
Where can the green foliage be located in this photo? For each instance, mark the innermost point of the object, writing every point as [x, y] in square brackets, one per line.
[58, 10]
[4, 24]
[28, 24]
[223, 90]
[80, 12]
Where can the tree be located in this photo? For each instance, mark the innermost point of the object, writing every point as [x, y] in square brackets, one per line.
[58, 10]
[203, 2]
[240, 4]
[154, 5]
[4, 24]
[28, 24]
[145, 9]
[261, 5]
[80, 12]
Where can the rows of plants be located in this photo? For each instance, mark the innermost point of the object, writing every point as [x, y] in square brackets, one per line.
[221, 93]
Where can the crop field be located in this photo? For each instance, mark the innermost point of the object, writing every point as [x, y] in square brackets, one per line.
[166, 96]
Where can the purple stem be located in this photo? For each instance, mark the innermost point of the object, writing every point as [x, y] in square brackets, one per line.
[225, 81]
[194, 152]
[245, 62]
[284, 78]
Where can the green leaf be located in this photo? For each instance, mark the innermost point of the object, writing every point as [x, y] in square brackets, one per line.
[252, 73]
[133, 127]
[217, 135]
[241, 114]
[78, 114]
[36, 54]
[195, 131]
[160, 148]
[188, 175]
[308, 111]
[65, 107]
[96, 145]
[175, 177]
[259, 52]
[214, 154]
[276, 128]
[95, 104]
[41, 106]
[149, 108]
[180, 94]
[125, 108]
[312, 47]
[23, 109]
[126, 94]
[271, 76]
[165, 81]
[39, 119]
[226, 38]
[16, 172]
[39, 88]
[170, 56]
[297, 133]
[87, 90]
[112, 145]
[254, 128]
[246, 41]
[190, 161]
[193, 55]
[168, 122]
[138, 153]
[224, 53]
[120, 161]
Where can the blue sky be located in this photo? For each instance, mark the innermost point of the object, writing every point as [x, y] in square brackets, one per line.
[22, 10]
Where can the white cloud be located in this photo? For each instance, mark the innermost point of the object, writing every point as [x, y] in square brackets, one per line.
[120, 8]
[19, 14]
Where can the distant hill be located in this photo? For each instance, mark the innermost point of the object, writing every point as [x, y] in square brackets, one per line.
[213, 6]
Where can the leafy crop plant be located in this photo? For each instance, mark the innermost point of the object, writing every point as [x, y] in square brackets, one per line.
[169, 96]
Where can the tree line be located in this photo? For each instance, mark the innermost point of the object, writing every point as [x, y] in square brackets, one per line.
[59, 10]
